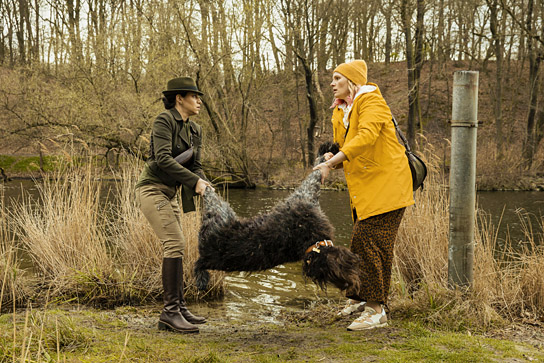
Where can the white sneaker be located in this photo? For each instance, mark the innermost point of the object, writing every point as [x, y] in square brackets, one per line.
[369, 319]
[351, 307]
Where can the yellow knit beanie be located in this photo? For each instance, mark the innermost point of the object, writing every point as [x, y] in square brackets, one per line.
[355, 71]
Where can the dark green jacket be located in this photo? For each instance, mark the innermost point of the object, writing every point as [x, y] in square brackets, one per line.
[168, 141]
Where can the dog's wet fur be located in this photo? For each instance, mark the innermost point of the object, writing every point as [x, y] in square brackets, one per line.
[230, 243]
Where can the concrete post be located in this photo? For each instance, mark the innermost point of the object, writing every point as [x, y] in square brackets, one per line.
[463, 178]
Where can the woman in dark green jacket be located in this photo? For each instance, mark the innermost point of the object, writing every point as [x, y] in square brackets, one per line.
[172, 134]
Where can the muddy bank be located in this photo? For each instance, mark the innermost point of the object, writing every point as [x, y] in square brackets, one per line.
[313, 334]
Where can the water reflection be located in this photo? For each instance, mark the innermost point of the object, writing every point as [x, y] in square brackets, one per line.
[504, 208]
[268, 292]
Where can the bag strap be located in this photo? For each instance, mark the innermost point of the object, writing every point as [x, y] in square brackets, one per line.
[402, 137]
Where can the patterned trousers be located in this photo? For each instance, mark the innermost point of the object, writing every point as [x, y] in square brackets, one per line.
[373, 239]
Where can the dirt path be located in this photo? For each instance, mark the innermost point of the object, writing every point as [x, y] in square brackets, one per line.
[313, 335]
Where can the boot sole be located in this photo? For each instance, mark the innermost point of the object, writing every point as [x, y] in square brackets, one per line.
[168, 327]
[367, 327]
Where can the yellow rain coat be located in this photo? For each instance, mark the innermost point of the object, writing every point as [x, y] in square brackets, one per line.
[377, 171]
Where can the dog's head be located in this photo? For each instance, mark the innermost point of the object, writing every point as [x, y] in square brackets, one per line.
[328, 147]
[334, 265]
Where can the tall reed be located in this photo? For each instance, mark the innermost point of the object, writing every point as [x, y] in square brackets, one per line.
[65, 235]
[508, 281]
[13, 283]
[531, 267]
[97, 248]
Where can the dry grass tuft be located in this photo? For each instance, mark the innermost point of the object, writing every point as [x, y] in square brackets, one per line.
[13, 282]
[499, 171]
[508, 282]
[530, 259]
[101, 252]
[138, 251]
[66, 237]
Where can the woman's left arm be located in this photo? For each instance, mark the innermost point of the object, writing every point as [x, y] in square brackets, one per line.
[371, 114]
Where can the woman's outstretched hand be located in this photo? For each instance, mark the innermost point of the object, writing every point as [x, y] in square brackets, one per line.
[325, 170]
[332, 161]
[201, 185]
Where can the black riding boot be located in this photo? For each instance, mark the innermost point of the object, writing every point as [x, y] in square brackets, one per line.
[171, 318]
[193, 319]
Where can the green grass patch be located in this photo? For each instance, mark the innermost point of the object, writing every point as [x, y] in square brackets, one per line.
[31, 164]
[7, 161]
[27, 164]
[130, 334]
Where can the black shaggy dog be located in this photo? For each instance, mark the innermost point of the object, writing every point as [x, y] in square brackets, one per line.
[295, 229]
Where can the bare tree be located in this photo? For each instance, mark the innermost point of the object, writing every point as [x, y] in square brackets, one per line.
[306, 19]
[387, 12]
[498, 50]
[414, 61]
[535, 50]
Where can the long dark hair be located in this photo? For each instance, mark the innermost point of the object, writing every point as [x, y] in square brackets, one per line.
[169, 99]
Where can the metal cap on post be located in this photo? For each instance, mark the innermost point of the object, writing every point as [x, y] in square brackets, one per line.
[464, 125]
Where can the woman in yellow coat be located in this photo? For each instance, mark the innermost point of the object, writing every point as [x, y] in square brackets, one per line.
[379, 183]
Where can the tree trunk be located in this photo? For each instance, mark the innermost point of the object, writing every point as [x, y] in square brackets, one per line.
[387, 12]
[420, 30]
[412, 112]
[36, 46]
[29, 32]
[275, 50]
[528, 145]
[21, 32]
[2, 38]
[228, 69]
[536, 55]
[312, 97]
[498, 49]
[73, 30]
[322, 56]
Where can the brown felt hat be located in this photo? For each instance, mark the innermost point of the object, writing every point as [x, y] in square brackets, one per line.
[181, 84]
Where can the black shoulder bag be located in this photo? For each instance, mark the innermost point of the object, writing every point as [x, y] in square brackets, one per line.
[185, 157]
[417, 166]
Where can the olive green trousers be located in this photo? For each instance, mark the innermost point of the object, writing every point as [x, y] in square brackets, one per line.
[160, 207]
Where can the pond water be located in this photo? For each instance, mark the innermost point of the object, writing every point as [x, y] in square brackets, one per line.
[268, 292]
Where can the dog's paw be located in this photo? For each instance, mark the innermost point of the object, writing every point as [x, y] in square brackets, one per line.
[202, 277]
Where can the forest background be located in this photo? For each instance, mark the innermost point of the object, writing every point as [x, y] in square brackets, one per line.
[84, 77]
[88, 75]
